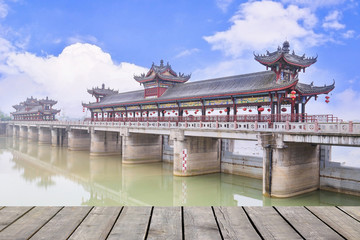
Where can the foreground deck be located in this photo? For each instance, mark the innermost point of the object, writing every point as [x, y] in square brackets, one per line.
[179, 222]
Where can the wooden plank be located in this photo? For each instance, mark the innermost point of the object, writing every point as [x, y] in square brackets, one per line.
[132, 223]
[338, 220]
[309, 226]
[199, 223]
[353, 211]
[28, 224]
[97, 224]
[165, 223]
[234, 224]
[10, 214]
[270, 224]
[63, 224]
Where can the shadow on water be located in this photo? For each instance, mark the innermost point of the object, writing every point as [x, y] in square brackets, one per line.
[45, 175]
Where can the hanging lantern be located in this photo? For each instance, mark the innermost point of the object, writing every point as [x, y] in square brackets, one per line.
[283, 109]
[168, 113]
[293, 97]
[150, 114]
[269, 110]
[225, 110]
[176, 114]
[83, 109]
[327, 97]
[220, 111]
[173, 111]
[137, 113]
[260, 109]
[164, 111]
[293, 92]
[250, 110]
[209, 112]
[244, 109]
[327, 101]
[212, 109]
[194, 113]
[153, 112]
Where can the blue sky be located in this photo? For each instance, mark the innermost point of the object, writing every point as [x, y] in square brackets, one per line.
[61, 48]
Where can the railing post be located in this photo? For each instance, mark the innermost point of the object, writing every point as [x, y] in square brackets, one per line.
[351, 126]
[200, 124]
[235, 123]
[256, 125]
[287, 126]
[217, 124]
[316, 126]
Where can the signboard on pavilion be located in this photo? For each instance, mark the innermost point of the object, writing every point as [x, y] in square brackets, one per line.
[119, 109]
[190, 104]
[253, 100]
[108, 109]
[168, 105]
[133, 108]
[218, 102]
[150, 106]
[97, 110]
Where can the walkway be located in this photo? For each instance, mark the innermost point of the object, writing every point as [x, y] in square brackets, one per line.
[179, 222]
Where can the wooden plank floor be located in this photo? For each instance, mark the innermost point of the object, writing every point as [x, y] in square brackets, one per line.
[179, 223]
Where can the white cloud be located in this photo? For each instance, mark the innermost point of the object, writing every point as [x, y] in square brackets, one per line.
[65, 77]
[82, 39]
[187, 52]
[3, 9]
[223, 4]
[314, 3]
[331, 21]
[348, 34]
[258, 25]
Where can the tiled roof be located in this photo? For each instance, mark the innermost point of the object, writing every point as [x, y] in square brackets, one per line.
[233, 85]
[309, 89]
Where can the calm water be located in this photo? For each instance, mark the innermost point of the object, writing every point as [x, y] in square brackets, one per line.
[43, 175]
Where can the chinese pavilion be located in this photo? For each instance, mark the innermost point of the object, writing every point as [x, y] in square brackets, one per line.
[167, 93]
[35, 110]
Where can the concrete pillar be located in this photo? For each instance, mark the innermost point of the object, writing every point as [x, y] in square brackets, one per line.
[15, 131]
[105, 143]
[23, 132]
[78, 140]
[289, 169]
[33, 134]
[59, 137]
[195, 155]
[9, 130]
[141, 148]
[44, 136]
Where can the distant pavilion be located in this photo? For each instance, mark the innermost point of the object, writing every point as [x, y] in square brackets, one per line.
[35, 110]
[166, 93]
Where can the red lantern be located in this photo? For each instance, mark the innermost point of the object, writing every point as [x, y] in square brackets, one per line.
[220, 111]
[150, 114]
[283, 109]
[244, 109]
[250, 110]
[83, 109]
[209, 112]
[194, 113]
[153, 112]
[225, 110]
[293, 92]
[260, 109]
[173, 111]
[176, 114]
[269, 110]
[168, 113]
[293, 97]
[327, 101]
[164, 111]
[327, 97]
[212, 110]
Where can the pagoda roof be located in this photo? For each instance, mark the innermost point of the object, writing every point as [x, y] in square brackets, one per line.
[283, 53]
[310, 89]
[163, 72]
[47, 101]
[259, 82]
[102, 91]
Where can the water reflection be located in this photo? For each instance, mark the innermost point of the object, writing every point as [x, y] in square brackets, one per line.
[32, 174]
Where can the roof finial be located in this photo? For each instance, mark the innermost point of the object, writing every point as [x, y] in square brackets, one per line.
[103, 85]
[161, 63]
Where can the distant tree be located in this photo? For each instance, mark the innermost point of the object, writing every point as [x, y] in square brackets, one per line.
[4, 117]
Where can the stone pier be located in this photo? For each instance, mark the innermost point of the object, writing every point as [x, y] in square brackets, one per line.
[289, 169]
[44, 135]
[79, 140]
[16, 131]
[105, 143]
[23, 132]
[59, 137]
[33, 134]
[195, 155]
[141, 148]
[9, 130]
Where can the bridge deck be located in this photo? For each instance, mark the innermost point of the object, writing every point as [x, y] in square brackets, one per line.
[179, 222]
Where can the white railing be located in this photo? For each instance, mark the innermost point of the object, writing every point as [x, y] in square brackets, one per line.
[293, 127]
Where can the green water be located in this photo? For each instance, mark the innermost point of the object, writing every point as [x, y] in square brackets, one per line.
[32, 174]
